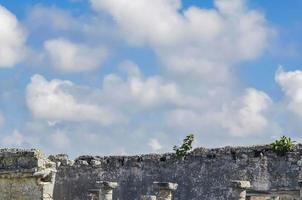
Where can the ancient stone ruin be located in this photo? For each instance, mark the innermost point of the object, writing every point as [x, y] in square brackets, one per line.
[241, 173]
[26, 175]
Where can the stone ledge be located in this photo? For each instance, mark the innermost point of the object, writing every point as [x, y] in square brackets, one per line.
[165, 185]
[240, 184]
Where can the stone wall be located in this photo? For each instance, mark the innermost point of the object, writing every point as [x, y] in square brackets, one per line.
[25, 175]
[204, 174]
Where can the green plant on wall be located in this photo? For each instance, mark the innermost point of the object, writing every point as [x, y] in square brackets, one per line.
[186, 147]
[283, 145]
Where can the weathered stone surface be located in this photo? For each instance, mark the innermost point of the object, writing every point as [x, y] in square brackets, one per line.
[94, 194]
[204, 174]
[148, 197]
[165, 186]
[106, 185]
[61, 159]
[103, 191]
[25, 175]
[106, 189]
[240, 184]
[164, 190]
[239, 189]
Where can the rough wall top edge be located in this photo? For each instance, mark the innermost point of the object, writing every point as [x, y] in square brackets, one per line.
[206, 153]
[203, 174]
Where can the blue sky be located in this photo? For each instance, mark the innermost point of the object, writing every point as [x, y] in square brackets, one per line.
[130, 77]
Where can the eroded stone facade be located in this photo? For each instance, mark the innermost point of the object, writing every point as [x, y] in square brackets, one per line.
[26, 175]
[205, 174]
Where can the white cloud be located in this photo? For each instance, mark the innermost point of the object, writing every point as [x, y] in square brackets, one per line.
[132, 17]
[148, 105]
[52, 100]
[155, 144]
[57, 100]
[247, 115]
[143, 92]
[12, 39]
[196, 41]
[291, 85]
[52, 123]
[44, 22]
[85, 37]
[53, 19]
[74, 57]
[233, 7]
[236, 116]
[138, 93]
[197, 45]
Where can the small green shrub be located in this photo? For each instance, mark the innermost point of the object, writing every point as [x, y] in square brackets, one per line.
[186, 146]
[283, 145]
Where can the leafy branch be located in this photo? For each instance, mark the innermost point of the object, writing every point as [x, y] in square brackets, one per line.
[185, 148]
[283, 145]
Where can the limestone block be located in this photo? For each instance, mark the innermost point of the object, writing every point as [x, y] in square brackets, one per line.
[107, 189]
[95, 163]
[239, 189]
[148, 197]
[93, 194]
[300, 186]
[61, 159]
[26, 175]
[240, 184]
[164, 190]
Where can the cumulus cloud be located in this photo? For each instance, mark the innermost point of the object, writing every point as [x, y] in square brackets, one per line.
[233, 7]
[243, 116]
[133, 106]
[53, 100]
[52, 19]
[12, 39]
[74, 57]
[57, 100]
[44, 22]
[155, 144]
[143, 92]
[195, 40]
[291, 84]
[132, 17]
[198, 45]
[247, 114]
[71, 42]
